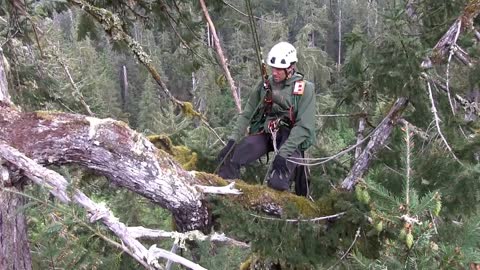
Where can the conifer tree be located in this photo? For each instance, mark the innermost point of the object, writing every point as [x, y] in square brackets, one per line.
[415, 208]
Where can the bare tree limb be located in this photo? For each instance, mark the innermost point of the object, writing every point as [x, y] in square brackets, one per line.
[228, 189]
[449, 39]
[58, 187]
[448, 77]
[301, 220]
[381, 134]
[437, 122]
[221, 55]
[110, 148]
[470, 107]
[462, 55]
[141, 232]
[360, 137]
[357, 235]
[477, 34]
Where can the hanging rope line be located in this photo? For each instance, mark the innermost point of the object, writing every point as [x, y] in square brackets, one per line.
[256, 42]
[319, 161]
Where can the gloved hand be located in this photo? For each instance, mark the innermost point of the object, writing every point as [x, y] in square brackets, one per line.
[223, 153]
[280, 166]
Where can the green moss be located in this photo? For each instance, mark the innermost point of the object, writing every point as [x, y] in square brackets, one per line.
[306, 208]
[246, 264]
[181, 154]
[208, 179]
[254, 195]
[45, 115]
[185, 156]
[188, 110]
[162, 142]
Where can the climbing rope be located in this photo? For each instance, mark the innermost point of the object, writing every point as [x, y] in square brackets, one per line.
[256, 42]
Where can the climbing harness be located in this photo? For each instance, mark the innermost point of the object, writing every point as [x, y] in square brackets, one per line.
[273, 127]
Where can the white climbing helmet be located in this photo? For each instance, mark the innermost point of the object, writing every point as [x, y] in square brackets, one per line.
[282, 55]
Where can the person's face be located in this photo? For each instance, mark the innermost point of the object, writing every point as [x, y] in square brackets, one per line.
[279, 74]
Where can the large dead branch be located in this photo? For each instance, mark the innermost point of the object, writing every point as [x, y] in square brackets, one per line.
[58, 187]
[110, 148]
[129, 160]
[471, 107]
[449, 39]
[221, 56]
[378, 139]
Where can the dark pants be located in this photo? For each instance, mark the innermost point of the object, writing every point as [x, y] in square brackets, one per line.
[252, 148]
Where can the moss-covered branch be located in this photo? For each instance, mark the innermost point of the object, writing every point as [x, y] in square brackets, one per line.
[127, 158]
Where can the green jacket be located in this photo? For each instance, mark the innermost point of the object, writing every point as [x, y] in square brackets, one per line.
[302, 134]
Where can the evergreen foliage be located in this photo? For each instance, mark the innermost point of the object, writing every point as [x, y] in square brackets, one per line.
[416, 208]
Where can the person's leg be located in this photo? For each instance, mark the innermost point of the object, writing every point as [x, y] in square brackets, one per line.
[300, 177]
[275, 180]
[246, 151]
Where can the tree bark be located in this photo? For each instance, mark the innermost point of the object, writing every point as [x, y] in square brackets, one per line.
[110, 148]
[4, 96]
[360, 137]
[379, 137]
[14, 248]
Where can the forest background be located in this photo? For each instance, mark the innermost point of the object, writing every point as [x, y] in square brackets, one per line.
[416, 207]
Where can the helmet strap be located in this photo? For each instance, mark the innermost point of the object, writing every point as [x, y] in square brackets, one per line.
[289, 72]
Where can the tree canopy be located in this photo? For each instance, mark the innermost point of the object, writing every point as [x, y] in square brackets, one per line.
[112, 114]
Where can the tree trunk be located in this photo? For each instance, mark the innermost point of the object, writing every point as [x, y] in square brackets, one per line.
[339, 37]
[124, 87]
[14, 248]
[4, 96]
